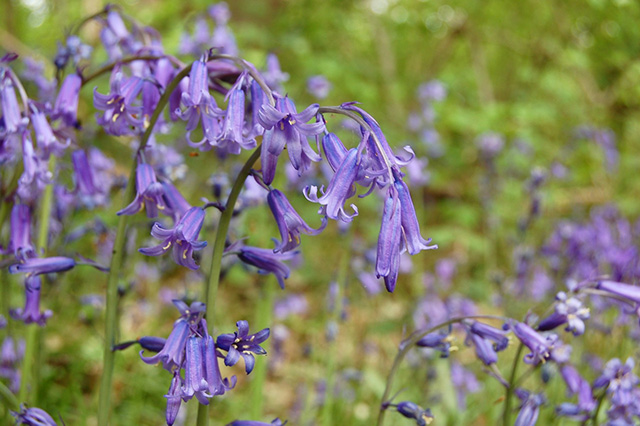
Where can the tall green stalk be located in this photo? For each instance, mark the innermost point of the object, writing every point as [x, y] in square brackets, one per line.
[506, 415]
[211, 291]
[264, 312]
[28, 387]
[111, 314]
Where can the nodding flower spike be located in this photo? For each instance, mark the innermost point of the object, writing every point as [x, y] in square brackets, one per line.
[120, 115]
[149, 193]
[45, 265]
[289, 222]
[182, 239]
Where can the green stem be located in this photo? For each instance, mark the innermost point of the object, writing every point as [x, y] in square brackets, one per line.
[263, 317]
[211, 292]
[29, 365]
[341, 281]
[506, 415]
[594, 420]
[111, 314]
[8, 398]
[409, 343]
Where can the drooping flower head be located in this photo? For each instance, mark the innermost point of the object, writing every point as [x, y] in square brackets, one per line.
[149, 193]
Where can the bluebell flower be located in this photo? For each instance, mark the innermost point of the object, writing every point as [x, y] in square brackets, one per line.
[273, 74]
[33, 417]
[200, 104]
[46, 140]
[66, 105]
[20, 236]
[149, 193]
[411, 410]
[172, 353]
[568, 310]
[267, 261]
[577, 385]
[36, 174]
[44, 265]
[176, 204]
[319, 86]
[340, 189]
[11, 115]
[410, 227]
[31, 312]
[542, 348]
[284, 126]
[122, 114]
[174, 398]
[289, 222]
[487, 341]
[194, 380]
[182, 239]
[529, 408]
[216, 385]
[334, 150]
[242, 344]
[438, 341]
[231, 138]
[389, 243]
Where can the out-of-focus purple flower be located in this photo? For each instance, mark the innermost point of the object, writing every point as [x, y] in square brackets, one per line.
[570, 311]
[530, 407]
[11, 115]
[182, 239]
[34, 71]
[220, 13]
[149, 193]
[73, 49]
[267, 261]
[33, 417]
[370, 283]
[411, 410]
[490, 145]
[619, 380]
[417, 172]
[11, 354]
[90, 189]
[284, 126]
[66, 106]
[293, 304]
[273, 74]
[36, 174]
[31, 312]
[432, 90]
[465, 382]
[241, 343]
[577, 385]
[274, 422]
[45, 265]
[319, 86]
[289, 222]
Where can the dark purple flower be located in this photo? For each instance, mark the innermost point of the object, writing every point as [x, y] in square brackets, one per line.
[284, 126]
[149, 193]
[334, 150]
[33, 417]
[215, 384]
[241, 343]
[410, 227]
[66, 106]
[289, 222]
[182, 239]
[45, 265]
[411, 410]
[267, 261]
[31, 312]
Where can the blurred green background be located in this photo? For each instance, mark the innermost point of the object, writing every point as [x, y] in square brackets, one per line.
[531, 71]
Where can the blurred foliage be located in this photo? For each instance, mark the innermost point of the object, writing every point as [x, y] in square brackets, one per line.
[531, 71]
